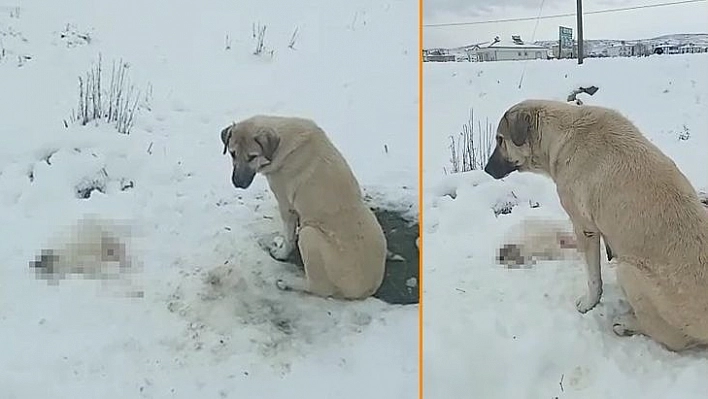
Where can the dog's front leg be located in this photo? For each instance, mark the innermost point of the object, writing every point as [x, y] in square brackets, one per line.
[589, 244]
[284, 245]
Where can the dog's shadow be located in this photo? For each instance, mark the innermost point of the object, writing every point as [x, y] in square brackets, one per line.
[400, 283]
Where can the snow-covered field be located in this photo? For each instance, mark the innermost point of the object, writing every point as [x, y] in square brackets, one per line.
[494, 332]
[209, 321]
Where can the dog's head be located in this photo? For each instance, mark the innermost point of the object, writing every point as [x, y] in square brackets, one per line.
[252, 148]
[516, 134]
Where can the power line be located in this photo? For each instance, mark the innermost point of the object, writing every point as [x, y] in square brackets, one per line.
[533, 36]
[562, 15]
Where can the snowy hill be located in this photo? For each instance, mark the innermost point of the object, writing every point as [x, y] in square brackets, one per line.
[503, 333]
[597, 45]
[200, 316]
[680, 39]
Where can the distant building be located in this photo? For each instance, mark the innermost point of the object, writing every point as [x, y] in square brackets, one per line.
[515, 49]
[691, 48]
[554, 50]
[573, 53]
[437, 55]
[467, 53]
[640, 49]
[473, 52]
[618, 50]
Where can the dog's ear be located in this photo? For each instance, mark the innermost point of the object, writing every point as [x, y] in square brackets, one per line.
[520, 127]
[269, 142]
[225, 137]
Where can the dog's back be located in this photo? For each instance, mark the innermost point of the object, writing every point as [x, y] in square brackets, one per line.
[636, 189]
[341, 213]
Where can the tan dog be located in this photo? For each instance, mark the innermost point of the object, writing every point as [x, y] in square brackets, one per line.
[342, 244]
[614, 183]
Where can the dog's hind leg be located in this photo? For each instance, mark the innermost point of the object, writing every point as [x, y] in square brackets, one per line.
[625, 324]
[298, 284]
[303, 285]
[644, 317]
[311, 242]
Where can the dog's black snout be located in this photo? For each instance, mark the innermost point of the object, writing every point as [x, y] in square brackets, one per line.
[489, 170]
[242, 178]
[498, 167]
[237, 182]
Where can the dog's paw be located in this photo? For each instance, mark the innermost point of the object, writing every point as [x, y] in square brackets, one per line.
[282, 285]
[288, 283]
[586, 302]
[625, 325]
[280, 248]
[394, 257]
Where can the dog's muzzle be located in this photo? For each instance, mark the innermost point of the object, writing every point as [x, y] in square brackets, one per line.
[498, 167]
[242, 178]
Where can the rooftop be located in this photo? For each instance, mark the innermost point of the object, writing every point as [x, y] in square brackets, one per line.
[512, 44]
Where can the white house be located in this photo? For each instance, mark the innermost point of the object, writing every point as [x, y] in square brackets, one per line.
[437, 55]
[515, 49]
[691, 48]
[618, 50]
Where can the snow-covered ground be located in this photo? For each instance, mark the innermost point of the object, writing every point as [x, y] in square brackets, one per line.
[209, 322]
[494, 332]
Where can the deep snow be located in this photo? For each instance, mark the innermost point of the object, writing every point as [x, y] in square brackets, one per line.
[493, 332]
[210, 322]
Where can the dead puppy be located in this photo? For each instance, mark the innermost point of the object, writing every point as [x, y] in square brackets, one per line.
[91, 249]
[535, 240]
[342, 244]
[615, 184]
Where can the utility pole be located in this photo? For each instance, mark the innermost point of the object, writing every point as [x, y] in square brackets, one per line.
[580, 31]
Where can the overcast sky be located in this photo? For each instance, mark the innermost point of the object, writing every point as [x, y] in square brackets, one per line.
[634, 24]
